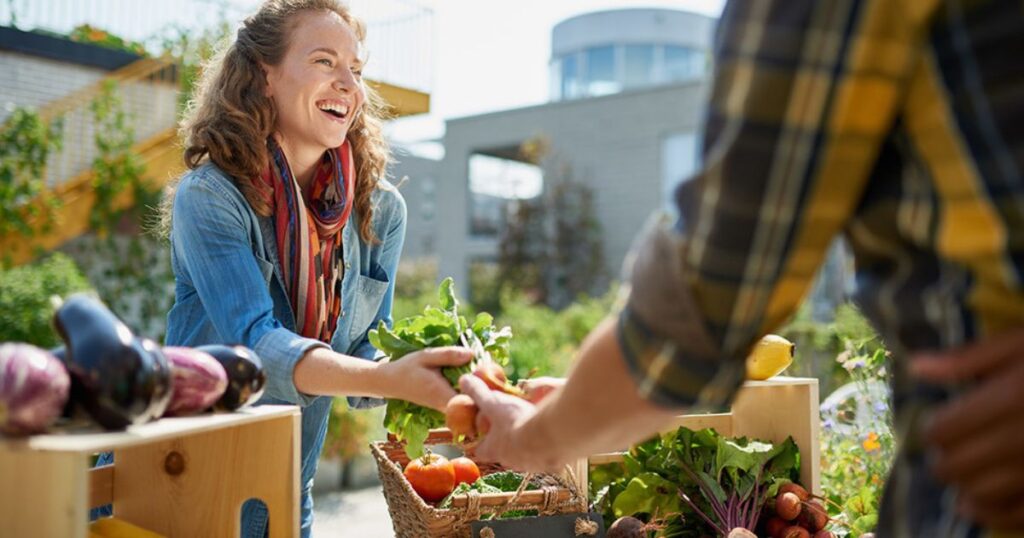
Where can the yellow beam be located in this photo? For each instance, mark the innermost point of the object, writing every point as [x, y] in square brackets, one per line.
[402, 101]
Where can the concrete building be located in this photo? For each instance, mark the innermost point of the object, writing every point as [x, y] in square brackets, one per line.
[627, 88]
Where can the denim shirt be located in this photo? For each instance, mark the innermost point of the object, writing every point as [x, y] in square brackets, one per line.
[229, 290]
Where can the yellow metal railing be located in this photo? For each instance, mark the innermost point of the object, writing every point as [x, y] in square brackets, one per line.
[148, 90]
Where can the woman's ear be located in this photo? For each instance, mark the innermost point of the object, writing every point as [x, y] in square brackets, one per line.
[268, 88]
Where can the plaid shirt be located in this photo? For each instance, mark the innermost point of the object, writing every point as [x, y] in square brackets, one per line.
[898, 123]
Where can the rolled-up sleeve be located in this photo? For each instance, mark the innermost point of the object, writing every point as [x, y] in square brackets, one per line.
[804, 93]
[213, 244]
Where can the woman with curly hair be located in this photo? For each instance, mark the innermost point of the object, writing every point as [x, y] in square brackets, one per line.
[285, 235]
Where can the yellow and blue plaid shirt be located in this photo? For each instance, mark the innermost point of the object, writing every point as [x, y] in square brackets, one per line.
[897, 123]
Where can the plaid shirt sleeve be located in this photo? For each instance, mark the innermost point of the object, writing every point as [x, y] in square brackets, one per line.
[803, 95]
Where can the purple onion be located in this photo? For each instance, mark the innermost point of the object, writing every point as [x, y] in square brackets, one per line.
[33, 389]
[199, 380]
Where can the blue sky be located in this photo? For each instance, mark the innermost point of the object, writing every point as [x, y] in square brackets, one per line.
[493, 55]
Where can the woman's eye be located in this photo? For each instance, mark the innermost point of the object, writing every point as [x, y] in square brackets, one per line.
[357, 72]
[325, 61]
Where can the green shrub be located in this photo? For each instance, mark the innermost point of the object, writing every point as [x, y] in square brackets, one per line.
[545, 341]
[26, 305]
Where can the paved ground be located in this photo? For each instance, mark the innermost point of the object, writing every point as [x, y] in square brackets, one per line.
[361, 513]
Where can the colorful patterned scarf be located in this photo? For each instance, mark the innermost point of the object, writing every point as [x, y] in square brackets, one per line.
[309, 242]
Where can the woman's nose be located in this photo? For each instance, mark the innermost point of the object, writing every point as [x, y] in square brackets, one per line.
[345, 81]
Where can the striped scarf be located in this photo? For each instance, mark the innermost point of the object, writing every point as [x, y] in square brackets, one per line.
[309, 242]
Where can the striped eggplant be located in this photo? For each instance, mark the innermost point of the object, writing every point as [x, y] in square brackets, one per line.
[33, 389]
[199, 381]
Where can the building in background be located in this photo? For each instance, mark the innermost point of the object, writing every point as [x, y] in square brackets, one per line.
[627, 88]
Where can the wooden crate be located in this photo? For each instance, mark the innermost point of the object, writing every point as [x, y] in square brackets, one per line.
[176, 476]
[771, 410]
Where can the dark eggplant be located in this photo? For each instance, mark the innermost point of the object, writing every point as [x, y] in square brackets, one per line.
[246, 377]
[199, 380]
[33, 389]
[119, 379]
[158, 375]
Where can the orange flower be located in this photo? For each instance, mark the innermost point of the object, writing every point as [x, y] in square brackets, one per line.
[871, 444]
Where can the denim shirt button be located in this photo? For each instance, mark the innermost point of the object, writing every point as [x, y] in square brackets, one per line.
[342, 313]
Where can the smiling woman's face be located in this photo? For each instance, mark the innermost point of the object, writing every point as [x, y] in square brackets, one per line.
[317, 88]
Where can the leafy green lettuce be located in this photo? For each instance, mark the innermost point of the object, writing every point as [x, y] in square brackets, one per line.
[697, 482]
[436, 327]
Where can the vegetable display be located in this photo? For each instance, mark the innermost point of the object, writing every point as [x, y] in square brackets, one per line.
[696, 483]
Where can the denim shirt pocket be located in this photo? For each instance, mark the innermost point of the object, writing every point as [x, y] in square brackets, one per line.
[369, 292]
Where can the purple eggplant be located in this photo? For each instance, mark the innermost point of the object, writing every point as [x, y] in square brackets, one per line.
[33, 389]
[246, 377]
[199, 380]
[119, 379]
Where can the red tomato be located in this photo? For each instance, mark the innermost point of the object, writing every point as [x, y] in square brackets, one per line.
[465, 471]
[432, 477]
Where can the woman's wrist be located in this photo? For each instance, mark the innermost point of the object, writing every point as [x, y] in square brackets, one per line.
[323, 371]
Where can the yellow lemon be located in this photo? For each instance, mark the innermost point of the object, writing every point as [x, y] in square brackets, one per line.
[770, 356]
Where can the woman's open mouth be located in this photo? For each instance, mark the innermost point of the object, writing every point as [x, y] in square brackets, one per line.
[335, 110]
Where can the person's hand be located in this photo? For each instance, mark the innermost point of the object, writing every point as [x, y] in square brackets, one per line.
[979, 435]
[536, 389]
[505, 415]
[417, 376]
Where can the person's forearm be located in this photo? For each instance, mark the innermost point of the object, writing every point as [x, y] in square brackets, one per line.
[598, 410]
[325, 372]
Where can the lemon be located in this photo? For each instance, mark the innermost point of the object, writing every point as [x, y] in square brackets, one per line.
[770, 356]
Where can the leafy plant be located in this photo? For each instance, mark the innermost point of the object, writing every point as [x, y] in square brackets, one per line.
[26, 299]
[711, 482]
[436, 327]
[117, 169]
[858, 448]
[86, 33]
[26, 142]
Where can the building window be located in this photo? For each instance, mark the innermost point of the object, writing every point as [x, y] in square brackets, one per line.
[639, 68]
[600, 79]
[570, 77]
[683, 63]
[680, 157]
[555, 80]
[494, 186]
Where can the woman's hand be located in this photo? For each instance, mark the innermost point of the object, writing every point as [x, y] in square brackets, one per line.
[417, 376]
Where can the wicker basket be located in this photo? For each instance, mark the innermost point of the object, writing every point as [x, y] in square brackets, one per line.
[412, 517]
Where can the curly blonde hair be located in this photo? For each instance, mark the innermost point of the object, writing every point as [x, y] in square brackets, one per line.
[229, 116]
